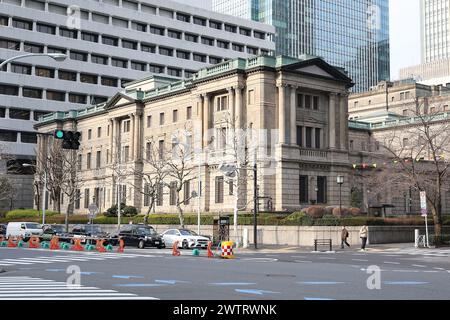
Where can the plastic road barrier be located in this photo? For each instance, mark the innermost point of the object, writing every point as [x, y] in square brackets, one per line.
[175, 251]
[33, 242]
[227, 250]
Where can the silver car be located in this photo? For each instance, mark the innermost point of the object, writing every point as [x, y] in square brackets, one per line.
[186, 238]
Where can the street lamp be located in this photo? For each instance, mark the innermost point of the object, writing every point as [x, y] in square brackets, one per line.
[340, 181]
[56, 56]
[43, 190]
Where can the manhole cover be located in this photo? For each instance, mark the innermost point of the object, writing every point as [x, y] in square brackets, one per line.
[281, 275]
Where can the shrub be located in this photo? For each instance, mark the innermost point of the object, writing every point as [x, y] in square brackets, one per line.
[112, 212]
[27, 213]
[315, 211]
[130, 211]
[337, 212]
[355, 212]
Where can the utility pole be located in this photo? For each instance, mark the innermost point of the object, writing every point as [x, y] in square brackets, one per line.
[255, 204]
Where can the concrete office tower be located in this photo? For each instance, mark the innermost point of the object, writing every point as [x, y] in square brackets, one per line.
[435, 30]
[113, 42]
[353, 34]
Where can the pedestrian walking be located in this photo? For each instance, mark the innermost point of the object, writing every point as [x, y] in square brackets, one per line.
[363, 232]
[344, 236]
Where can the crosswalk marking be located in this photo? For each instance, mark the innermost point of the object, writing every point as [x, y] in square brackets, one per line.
[28, 288]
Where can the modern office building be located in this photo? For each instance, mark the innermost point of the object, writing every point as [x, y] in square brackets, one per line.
[113, 42]
[353, 34]
[293, 114]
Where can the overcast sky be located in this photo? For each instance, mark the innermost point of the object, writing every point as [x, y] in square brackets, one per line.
[404, 31]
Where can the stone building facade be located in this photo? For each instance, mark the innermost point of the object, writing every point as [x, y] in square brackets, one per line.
[293, 113]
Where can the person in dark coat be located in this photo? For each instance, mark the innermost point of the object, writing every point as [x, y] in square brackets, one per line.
[344, 236]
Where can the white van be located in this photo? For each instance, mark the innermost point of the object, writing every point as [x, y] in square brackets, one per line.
[24, 229]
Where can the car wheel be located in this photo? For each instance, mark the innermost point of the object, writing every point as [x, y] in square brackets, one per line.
[141, 244]
[160, 247]
[185, 244]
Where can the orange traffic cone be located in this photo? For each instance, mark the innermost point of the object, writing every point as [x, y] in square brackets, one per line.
[33, 242]
[175, 251]
[121, 246]
[12, 242]
[77, 246]
[99, 245]
[54, 243]
[210, 253]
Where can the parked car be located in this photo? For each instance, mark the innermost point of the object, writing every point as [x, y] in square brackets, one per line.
[90, 232]
[3, 229]
[55, 230]
[24, 229]
[141, 236]
[186, 238]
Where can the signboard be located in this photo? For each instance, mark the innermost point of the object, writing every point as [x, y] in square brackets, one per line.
[93, 210]
[423, 203]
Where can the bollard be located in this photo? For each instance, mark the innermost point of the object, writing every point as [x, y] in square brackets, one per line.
[227, 250]
[245, 238]
[45, 245]
[109, 248]
[416, 238]
[195, 252]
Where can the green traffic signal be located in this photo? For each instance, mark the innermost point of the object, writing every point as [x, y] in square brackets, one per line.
[59, 134]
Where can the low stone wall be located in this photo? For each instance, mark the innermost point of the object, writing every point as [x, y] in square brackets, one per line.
[304, 236]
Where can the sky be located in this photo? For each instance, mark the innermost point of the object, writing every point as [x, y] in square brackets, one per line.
[404, 19]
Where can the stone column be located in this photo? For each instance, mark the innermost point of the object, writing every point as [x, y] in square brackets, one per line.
[132, 134]
[111, 139]
[137, 136]
[282, 114]
[313, 138]
[332, 120]
[239, 108]
[343, 111]
[205, 120]
[293, 116]
[231, 105]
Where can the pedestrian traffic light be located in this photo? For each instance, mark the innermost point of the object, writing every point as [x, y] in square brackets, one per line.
[70, 139]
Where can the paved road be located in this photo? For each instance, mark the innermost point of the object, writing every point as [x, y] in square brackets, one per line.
[293, 275]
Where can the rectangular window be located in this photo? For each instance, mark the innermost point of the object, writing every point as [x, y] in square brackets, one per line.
[68, 33]
[215, 24]
[245, 32]
[37, 114]
[223, 44]
[56, 50]
[141, 66]
[321, 189]
[33, 48]
[9, 90]
[110, 41]
[89, 134]
[175, 115]
[251, 50]
[316, 103]
[161, 118]
[44, 72]
[160, 195]
[88, 161]
[230, 187]
[189, 73]
[307, 101]
[183, 54]
[149, 121]
[139, 26]
[20, 68]
[161, 149]
[77, 98]
[157, 30]
[173, 194]
[8, 136]
[303, 189]
[99, 59]
[45, 28]
[20, 114]
[4, 21]
[156, 68]
[119, 63]
[238, 47]
[317, 138]
[174, 34]
[110, 82]
[174, 72]
[126, 153]
[126, 126]
[99, 132]
[56, 95]
[146, 195]
[77, 198]
[189, 113]
[128, 44]
[230, 28]
[200, 21]
[208, 41]
[148, 150]
[190, 37]
[300, 136]
[32, 93]
[259, 35]
[67, 75]
[187, 192]
[183, 17]
[2, 112]
[80, 56]
[86, 198]
[199, 57]
[9, 44]
[166, 51]
[214, 60]
[98, 160]
[308, 137]
[222, 103]
[251, 97]
[219, 189]
[148, 48]
[88, 78]
[87, 36]
[22, 24]
[28, 137]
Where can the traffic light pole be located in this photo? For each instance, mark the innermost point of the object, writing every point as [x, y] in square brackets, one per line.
[255, 205]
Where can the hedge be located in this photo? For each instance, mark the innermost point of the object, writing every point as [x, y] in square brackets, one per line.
[294, 219]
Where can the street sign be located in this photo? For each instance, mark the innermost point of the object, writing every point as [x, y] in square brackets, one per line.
[423, 203]
[93, 209]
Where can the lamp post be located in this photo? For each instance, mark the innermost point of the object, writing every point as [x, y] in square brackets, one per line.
[43, 190]
[56, 56]
[340, 181]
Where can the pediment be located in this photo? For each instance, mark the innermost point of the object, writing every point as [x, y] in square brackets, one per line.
[316, 70]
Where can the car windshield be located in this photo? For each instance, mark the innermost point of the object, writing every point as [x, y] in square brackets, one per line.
[185, 232]
[58, 228]
[146, 231]
[33, 226]
[93, 229]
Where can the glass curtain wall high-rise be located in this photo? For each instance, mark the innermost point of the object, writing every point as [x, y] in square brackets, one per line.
[435, 28]
[352, 34]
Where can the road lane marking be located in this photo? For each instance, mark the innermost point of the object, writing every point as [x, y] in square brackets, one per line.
[233, 283]
[419, 265]
[139, 285]
[390, 262]
[127, 276]
[364, 260]
[171, 281]
[318, 299]
[405, 282]
[327, 258]
[254, 291]
[320, 282]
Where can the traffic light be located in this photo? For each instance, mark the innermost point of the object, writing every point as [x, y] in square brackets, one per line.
[70, 139]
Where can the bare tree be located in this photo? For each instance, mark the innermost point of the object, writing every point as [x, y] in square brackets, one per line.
[419, 150]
